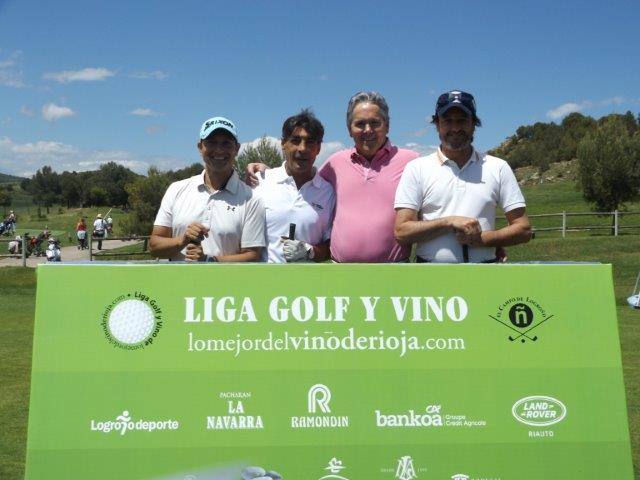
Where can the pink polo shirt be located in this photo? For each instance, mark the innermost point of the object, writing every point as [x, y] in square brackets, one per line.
[365, 192]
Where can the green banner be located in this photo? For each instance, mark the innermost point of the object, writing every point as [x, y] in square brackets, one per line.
[305, 372]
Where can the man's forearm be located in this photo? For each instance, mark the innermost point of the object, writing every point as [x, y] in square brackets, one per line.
[164, 247]
[509, 235]
[413, 231]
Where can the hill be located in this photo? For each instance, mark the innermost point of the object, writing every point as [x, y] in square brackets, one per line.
[4, 178]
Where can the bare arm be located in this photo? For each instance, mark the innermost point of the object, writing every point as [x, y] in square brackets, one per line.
[163, 244]
[517, 231]
[408, 229]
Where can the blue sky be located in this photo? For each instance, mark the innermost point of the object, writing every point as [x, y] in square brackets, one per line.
[85, 82]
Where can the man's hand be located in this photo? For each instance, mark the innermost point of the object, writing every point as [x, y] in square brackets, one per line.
[465, 225]
[467, 231]
[194, 253]
[250, 177]
[195, 233]
[295, 250]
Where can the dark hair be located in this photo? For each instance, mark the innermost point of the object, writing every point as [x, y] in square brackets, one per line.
[476, 120]
[305, 119]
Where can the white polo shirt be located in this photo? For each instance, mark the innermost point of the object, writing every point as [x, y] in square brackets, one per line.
[234, 215]
[436, 187]
[310, 208]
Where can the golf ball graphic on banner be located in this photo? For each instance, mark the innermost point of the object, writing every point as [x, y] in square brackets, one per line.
[132, 321]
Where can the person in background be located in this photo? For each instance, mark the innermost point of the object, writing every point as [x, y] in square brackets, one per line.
[81, 233]
[99, 229]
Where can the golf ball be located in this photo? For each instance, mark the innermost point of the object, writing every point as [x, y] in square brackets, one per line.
[131, 321]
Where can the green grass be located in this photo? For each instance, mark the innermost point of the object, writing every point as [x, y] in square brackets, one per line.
[17, 296]
[557, 197]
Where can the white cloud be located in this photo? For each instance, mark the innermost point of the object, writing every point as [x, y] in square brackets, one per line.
[571, 107]
[26, 111]
[420, 148]
[52, 112]
[152, 75]
[328, 149]
[84, 75]
[42, 148]
[613, 101]
[10, 76]
[275, 142]
[144, 112]
[24, 159]
[566, 109]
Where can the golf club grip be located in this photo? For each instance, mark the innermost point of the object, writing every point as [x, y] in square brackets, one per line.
[292, 231]
[465, 253]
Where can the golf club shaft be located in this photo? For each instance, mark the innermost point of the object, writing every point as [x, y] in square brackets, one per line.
[292, 231]
[465, 253]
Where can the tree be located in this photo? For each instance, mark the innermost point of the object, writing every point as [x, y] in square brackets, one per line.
[264, 152]
[145, 195]
[71, 188]
[574, 128]
[97, 196]
[186, 172]
[112, 178]
[5, 199]
[609, 164]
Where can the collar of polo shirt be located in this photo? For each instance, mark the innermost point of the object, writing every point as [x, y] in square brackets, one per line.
[280, 175]
[231, 185]
[475, 157]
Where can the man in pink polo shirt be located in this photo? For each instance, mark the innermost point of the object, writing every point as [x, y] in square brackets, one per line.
[365, 179]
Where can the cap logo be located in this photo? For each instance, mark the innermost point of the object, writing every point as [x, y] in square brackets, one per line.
[213, 122]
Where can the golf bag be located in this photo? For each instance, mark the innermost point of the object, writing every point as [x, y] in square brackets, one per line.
[7, 227]
[53, 251]
[15, 246]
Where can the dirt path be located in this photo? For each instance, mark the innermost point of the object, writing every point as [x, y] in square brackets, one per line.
[68, 254]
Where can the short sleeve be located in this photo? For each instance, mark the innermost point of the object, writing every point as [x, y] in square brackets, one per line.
[253, 229]
[510, 194]
[409, 192]
[164, 218]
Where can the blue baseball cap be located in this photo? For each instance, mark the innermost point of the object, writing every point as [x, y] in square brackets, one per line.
[217, 123]
[456, 98]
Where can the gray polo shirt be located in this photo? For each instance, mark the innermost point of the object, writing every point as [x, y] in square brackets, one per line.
[234, 215]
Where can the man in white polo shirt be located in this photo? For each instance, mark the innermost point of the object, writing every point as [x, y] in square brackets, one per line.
[295, 194]
[212, 216]
[446, 202]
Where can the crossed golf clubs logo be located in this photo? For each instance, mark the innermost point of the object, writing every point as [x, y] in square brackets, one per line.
[521, 317]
